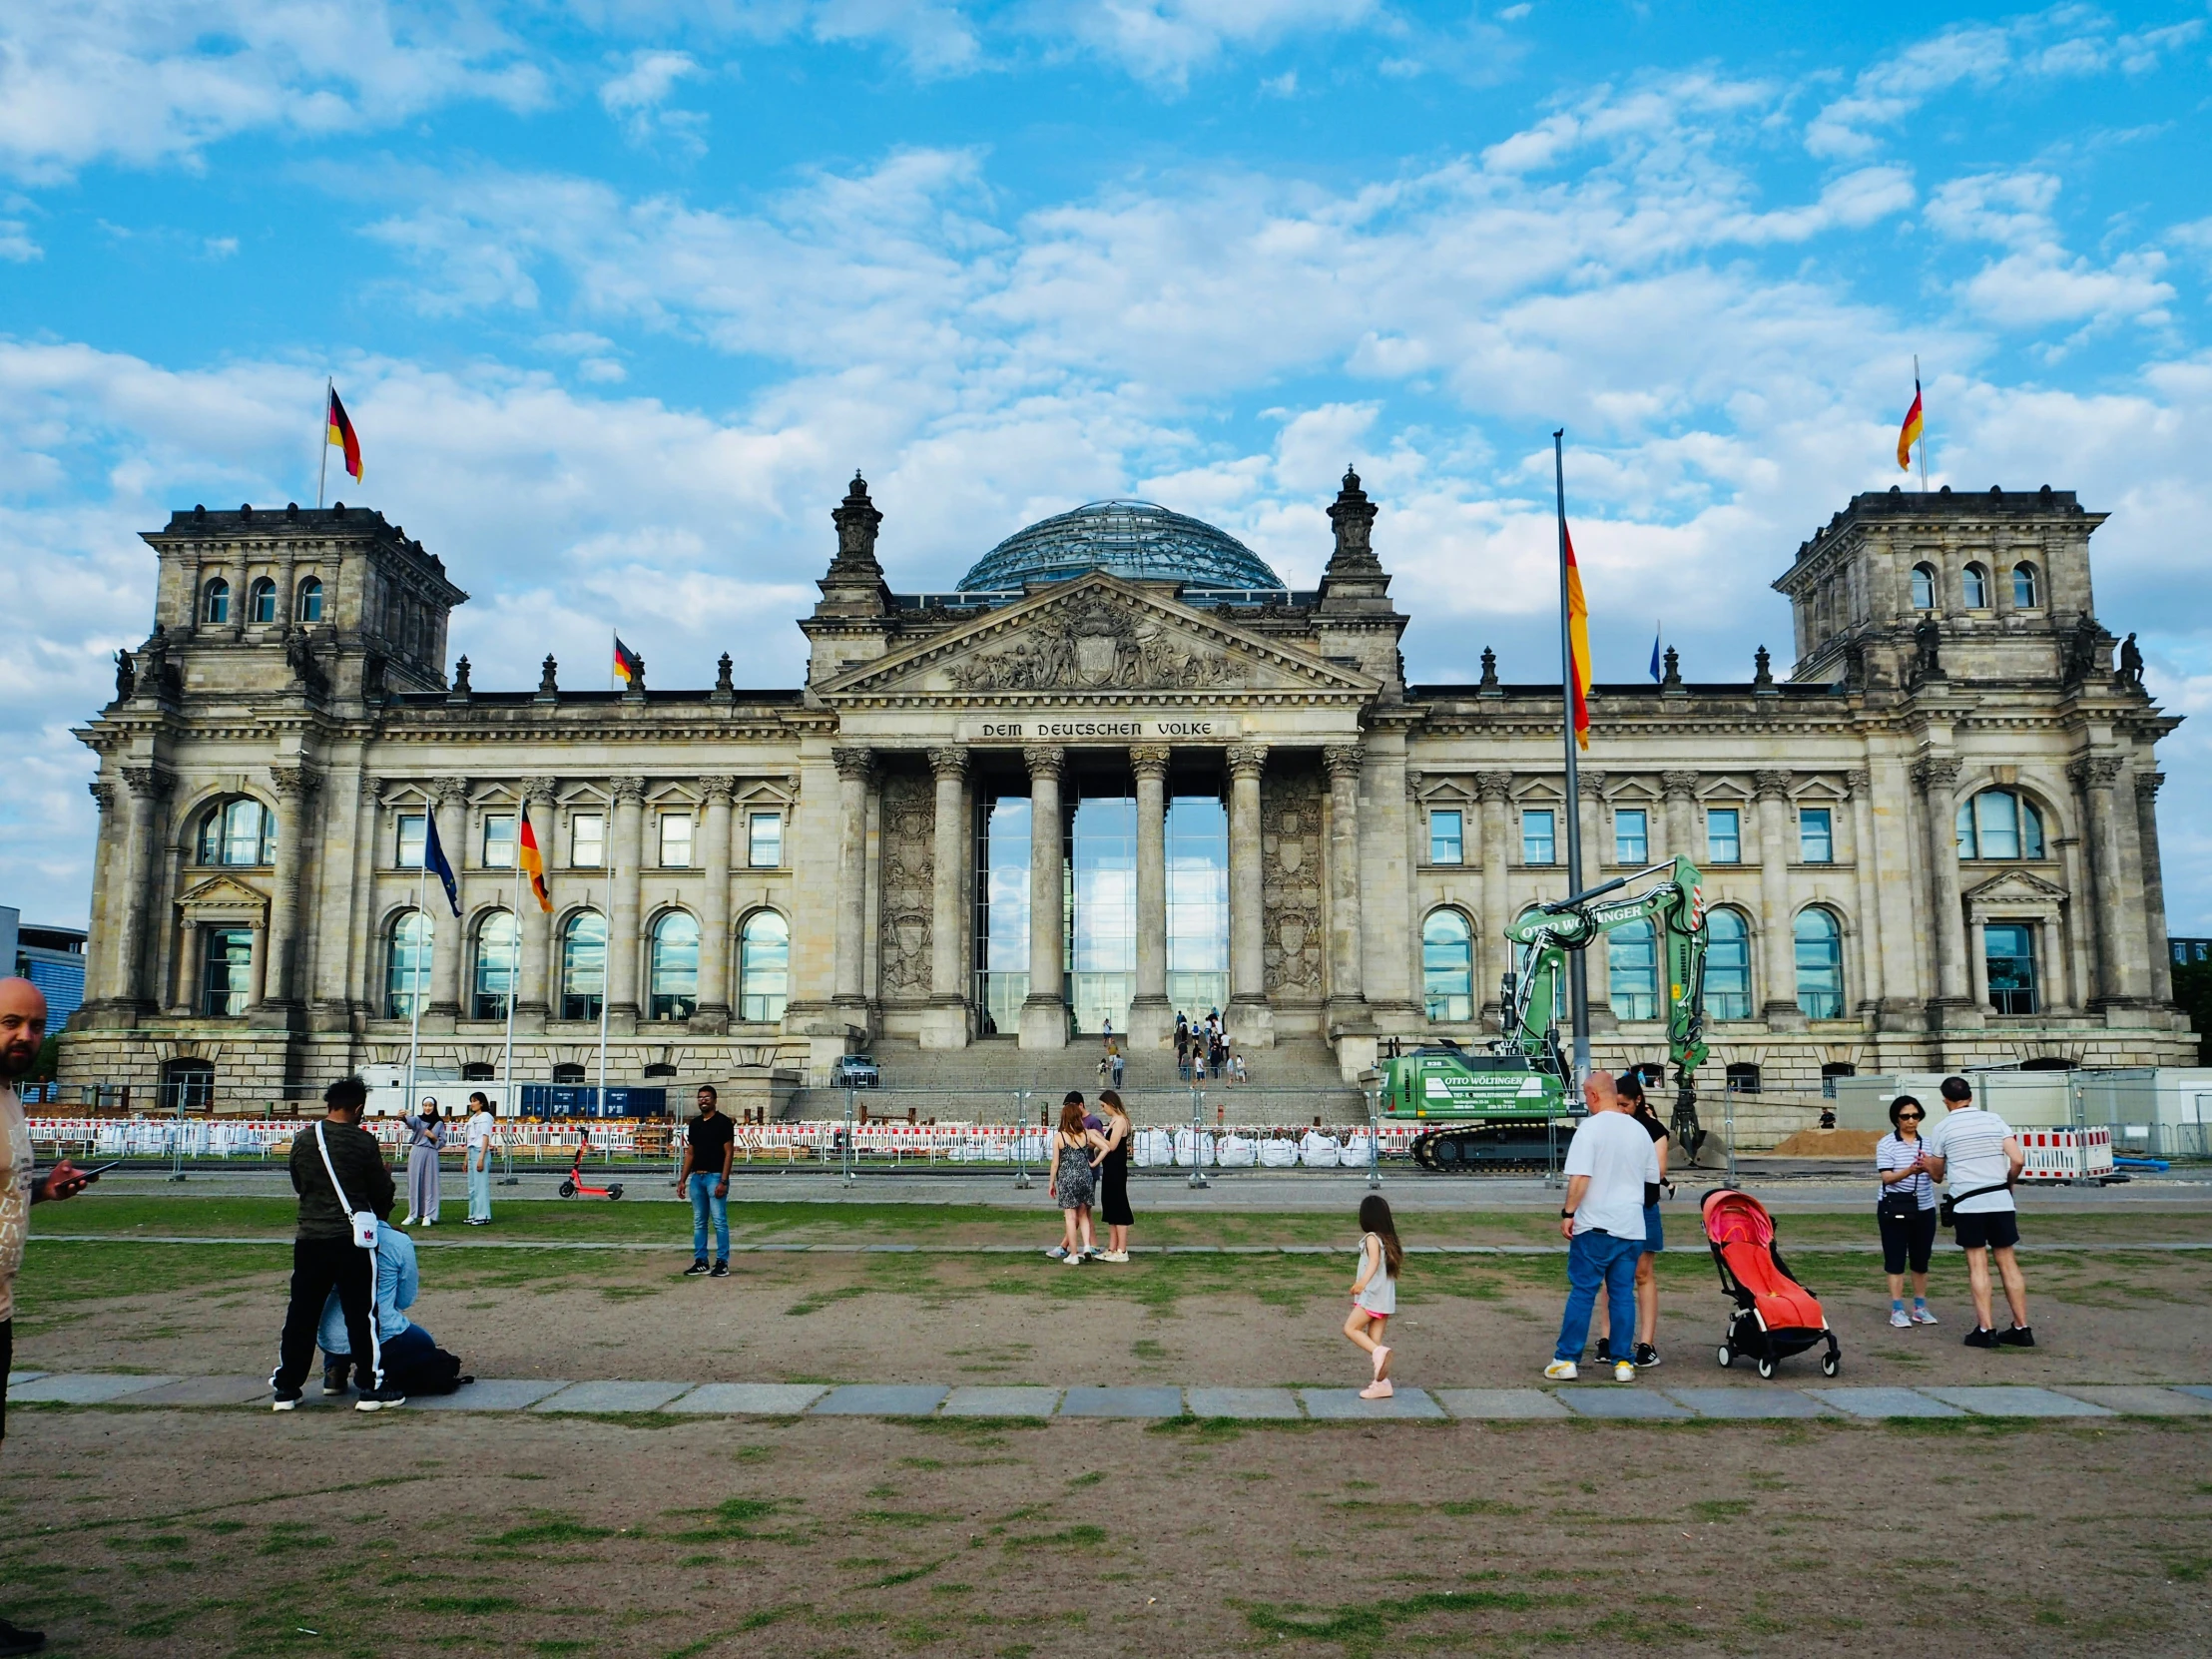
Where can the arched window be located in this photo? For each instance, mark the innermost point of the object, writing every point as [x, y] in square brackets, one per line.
[1998, 824]
[492, 982]
[2025, 594]
[1820, 964]
[188, 1085]
[1974, 587]
[1727, 966]
[674, 976]
[241, 832]
[1633, 971]
[764, 966]
[216, 606]
[583, 965]
[260, 600]
[1923, 587]
[1448, 966]
[568, 1071]
[1743, 1079]
[406, 964]
[311, 600]
[1832, 1070]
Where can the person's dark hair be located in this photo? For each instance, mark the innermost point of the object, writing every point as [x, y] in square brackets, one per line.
[1957, 1088]
[1375, 1217]
[1111, 1101]
[1071, 1117]
[1074, 1097]
[708, 1091]
[1897, 1105]
[480, 1098]
[348, 1094]
[1630, 1084]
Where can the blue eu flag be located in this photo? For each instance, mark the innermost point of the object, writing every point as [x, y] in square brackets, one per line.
[1655, 671]
[435, 860]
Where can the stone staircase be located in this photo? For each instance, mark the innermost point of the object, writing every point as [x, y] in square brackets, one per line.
[1292, 1083]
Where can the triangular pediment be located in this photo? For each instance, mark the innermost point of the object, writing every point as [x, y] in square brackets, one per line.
[1096, 637]
[224, 898]
[2015, 887]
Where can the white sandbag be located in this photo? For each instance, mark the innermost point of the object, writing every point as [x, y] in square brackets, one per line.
[1357, 1151]
[1153, 1149]
[1193, 1149]
[1276, 1153]
[1238, 1152]
[1318, 1151]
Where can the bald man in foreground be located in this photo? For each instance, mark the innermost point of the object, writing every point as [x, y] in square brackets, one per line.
[22, 1031]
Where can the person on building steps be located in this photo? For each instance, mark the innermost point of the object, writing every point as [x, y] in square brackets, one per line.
[710, 1143]
[1977, 1155]
[1905, 1210]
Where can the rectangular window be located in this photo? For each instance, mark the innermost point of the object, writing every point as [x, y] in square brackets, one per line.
[409, 855]
[1816, 834]
[1447, 839]
[587, 841]
[227, 972]
[1539, 844]
[1631, 837]
[1724, 835]
[499, 840]
[763, 840]
[676, 840]
[2010, 957]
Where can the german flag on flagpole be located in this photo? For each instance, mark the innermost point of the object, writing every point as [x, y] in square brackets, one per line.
[1578, 642]
[533, 865]
[342, 435]
[629, 666]
[1909, 433]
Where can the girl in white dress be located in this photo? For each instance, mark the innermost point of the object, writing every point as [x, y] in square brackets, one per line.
[1374, 1290]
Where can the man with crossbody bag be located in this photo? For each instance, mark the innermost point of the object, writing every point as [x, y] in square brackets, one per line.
[1977, 1155]
[337, 1169]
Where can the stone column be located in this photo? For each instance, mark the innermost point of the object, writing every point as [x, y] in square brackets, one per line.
[1347, 1003]
[2154, 884]
[1597, 846]
[2054, 994]
[627, 854]
[1151, 1019]
[1248, 1013]
[127, 981]
[2117, 985]
[98, 945]
[1938, 777]
[532, 1003]
[1044, 1016]
[946, 1024]
[1492, 956]
[855, 770]
[1861, 785]
[294, 786]
[1978, 961]
[1780, 957]
[1680, 788]
[713, 1010]
[341, 884]
[448, 933]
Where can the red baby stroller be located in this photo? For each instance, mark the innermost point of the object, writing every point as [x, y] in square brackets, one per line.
[1775, 1316]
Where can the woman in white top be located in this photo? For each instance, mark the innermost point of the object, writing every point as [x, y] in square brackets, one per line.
[1906, 1209]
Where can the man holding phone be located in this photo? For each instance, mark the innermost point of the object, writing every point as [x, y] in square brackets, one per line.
[22, 1032]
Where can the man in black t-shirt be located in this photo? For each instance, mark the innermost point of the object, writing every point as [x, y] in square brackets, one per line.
[709, 1142]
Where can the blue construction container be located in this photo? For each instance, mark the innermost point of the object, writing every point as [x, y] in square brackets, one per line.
[569, 1100]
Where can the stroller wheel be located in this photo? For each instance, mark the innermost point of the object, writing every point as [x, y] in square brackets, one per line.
[568, 1188]
[1726, 1355]
[1766, 1367]
[1830, 1365]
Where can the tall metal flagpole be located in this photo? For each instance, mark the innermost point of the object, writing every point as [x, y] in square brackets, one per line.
[606, 966]
[1916, 392]
[514, 979]
[323, 468]
[1578, 978]
[414, 998]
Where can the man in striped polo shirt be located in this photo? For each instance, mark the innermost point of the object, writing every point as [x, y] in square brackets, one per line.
[1979, 1158]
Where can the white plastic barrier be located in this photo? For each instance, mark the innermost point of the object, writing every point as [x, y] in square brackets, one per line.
[2066, 1154]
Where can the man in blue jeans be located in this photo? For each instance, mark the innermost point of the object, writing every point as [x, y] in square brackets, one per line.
[1609, 1164]
[709, 1144]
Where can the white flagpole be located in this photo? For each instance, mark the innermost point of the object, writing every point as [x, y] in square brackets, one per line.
[414, 999]
[323, 468]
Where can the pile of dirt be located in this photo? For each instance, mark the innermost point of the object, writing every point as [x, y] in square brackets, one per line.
[1827, 1143]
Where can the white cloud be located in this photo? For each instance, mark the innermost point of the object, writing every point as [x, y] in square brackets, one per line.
[1164, 41]
[16, 244]
[2038, 283]
[635, 98]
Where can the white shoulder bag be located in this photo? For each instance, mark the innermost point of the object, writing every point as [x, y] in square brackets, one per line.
[364, 1222]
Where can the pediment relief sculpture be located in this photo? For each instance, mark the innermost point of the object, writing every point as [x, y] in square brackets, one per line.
[1097, 645]
[2015, 887]
[224, 899]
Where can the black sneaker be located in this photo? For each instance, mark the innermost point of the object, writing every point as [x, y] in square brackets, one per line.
[1646, 1355]
[1605, 1351]
[721, 1270]
[698, 1266]
[15, 1639]
[282, 1399]
[1981, 1337]
[338, 1377]
[379, 1400]
[2021, 1335]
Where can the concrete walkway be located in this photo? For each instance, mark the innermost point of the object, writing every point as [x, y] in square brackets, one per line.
[1642, 1401]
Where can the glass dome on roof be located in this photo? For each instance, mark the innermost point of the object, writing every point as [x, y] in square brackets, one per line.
[1126, 538]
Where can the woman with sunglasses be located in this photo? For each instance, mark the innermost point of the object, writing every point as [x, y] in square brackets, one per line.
[1906, 1209]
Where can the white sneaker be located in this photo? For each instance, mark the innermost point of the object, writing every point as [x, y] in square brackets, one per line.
[1115, 1256]
[1624, 1371]
[1562, 1370]
[1921, 1316]
[1058, 1253]
[1901, 1318]
[1074, 1261]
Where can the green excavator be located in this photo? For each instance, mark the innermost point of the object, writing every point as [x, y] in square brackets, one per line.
[1511, 1107]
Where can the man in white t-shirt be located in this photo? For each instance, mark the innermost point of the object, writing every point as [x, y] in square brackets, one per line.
[1977, 1158]
[476, 1156]
[1610, 1161]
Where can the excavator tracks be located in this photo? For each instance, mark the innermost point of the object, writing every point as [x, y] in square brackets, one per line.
[1497, 1148]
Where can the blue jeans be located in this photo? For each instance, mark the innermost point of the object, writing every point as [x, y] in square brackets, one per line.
[479, 1190]
[705, 1204]
[1595, 1259]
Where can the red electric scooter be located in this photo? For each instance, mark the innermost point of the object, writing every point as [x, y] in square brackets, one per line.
[576, 1186]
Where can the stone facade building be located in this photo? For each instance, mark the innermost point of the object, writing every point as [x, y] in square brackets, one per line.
[1120, 772]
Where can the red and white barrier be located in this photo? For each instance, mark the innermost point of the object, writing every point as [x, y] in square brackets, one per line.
[2066, 1154]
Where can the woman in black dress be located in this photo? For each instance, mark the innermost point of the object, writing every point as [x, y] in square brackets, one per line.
[1113, 1172]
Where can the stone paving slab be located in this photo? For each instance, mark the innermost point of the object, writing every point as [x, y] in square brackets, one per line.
[1122, 1402]
[2196, 1390]
[880, 1399]
[1346, 1405]
[23, 1377]
[2016, 1400]
[748, 1400]
[201, 1391]
[2142, 1401]
[612, 1397]
[1885, 1402]
[486, 1393]
[1750, 1403]
[1250, 1404]
[1500, 1404]
[982, 1401]
[84, 1387]
[1620, 1401]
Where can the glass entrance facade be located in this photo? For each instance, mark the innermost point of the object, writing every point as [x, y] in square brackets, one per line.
[1102, 910]
[1198, 904]
[1001, 911]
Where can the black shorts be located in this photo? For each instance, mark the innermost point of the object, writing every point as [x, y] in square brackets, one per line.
[1991, 1230]
[1905, 1241]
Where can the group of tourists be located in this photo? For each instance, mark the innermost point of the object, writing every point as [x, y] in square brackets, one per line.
[1090, 1169]
[1202, 1050]
[429, 1135]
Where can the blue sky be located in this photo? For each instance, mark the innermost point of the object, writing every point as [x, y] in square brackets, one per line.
[619, 291]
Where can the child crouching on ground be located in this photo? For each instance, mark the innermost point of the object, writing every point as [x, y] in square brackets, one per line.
[1374, 1290]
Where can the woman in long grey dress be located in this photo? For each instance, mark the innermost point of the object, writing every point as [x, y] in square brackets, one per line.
[425, 1140]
